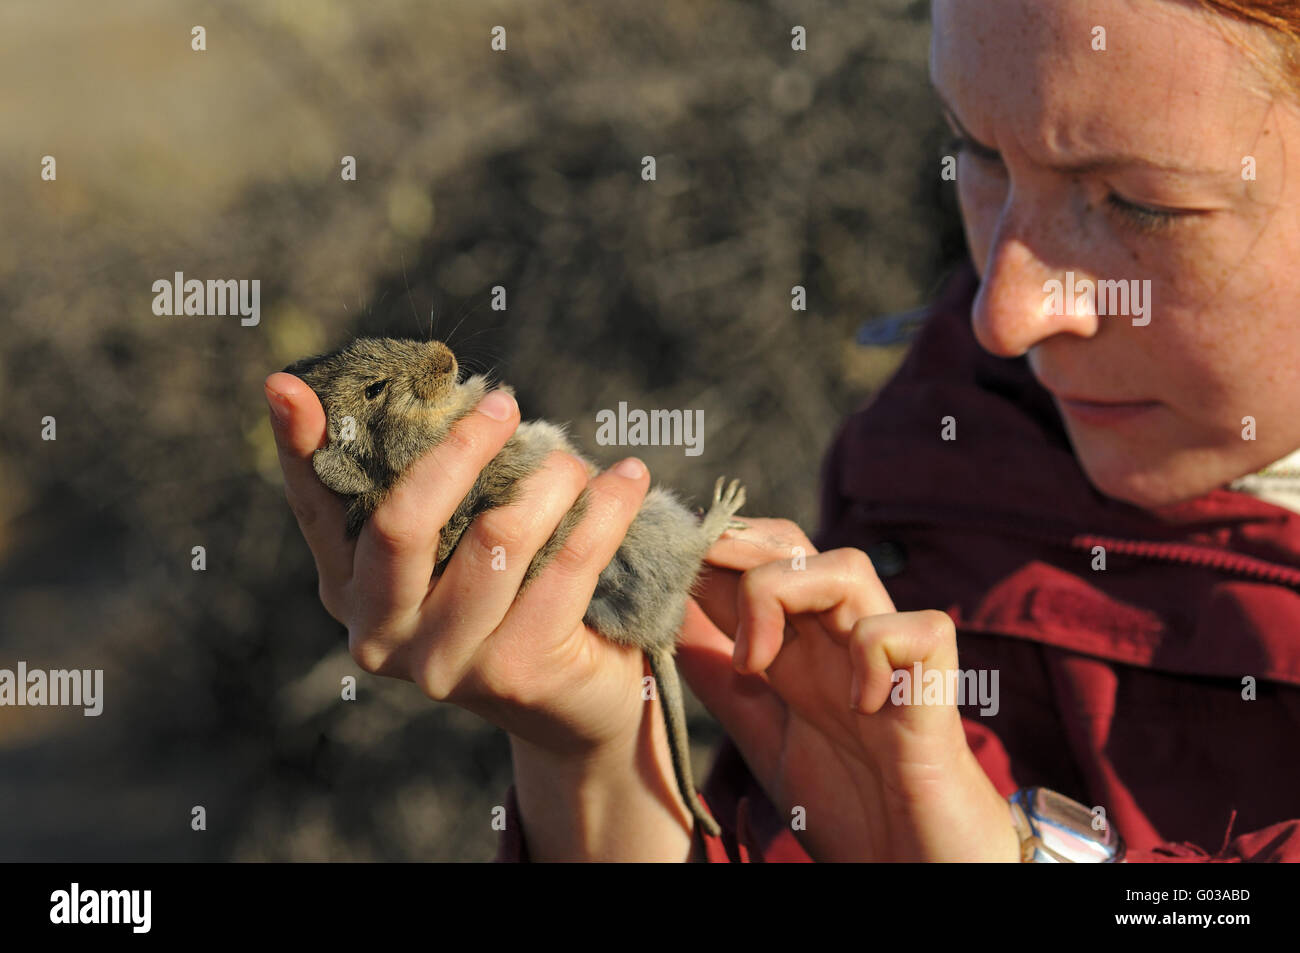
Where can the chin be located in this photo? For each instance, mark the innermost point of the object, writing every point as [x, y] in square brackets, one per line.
[1146, 484]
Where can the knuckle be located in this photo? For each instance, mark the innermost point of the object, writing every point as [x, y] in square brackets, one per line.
[856, 563]
[560, 479]
[569, 465]
[391, 537]
[433, 683]
[754, 582]
[426, 671]
[604, 513]
[523, 694]
[608, 506]
[506, 678]
[501, 683]
[522, 527]
[365, 653]
[576, 553]
[865, 634]
[504, 527]
[937, 624]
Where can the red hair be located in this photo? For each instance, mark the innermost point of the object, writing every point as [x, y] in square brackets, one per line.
[1280, 16]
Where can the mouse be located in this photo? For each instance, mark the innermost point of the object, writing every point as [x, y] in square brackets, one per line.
[388, 401]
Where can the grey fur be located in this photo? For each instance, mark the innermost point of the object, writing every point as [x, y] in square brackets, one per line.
[640, 597]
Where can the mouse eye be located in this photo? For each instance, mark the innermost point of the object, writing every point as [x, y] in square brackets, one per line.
[375, 389]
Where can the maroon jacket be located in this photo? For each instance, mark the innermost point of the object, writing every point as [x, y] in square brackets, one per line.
[1121, 688]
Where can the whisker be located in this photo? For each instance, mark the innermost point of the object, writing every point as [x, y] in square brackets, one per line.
[418, 326]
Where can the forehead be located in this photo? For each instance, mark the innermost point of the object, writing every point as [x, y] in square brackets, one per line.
[372, 359]
[1027, 70]
[376, 356]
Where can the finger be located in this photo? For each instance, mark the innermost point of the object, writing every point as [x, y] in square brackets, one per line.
[840, 585]
[881, 644]
[763, 541]
[562, 590]
[397, 548]
[298, 422]
[752, 714]
[483, 576]
[815, 681]
[716, 592]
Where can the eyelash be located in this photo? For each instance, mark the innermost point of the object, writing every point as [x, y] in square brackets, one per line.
[1139, 218]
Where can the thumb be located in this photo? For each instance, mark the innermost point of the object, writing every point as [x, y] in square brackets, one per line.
[748, 708]
[298, 422]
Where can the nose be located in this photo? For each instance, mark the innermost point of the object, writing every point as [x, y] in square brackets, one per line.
[441, 360]
[436, 373]
[1020, 302]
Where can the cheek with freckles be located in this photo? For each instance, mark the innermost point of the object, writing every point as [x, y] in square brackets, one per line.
[1224, 413]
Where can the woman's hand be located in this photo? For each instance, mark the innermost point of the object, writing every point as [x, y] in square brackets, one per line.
[586, 751]
[877, 781]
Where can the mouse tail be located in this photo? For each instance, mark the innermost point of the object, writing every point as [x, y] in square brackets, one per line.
[670, 700]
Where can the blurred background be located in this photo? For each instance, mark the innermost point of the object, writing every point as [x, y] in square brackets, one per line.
[475, 168]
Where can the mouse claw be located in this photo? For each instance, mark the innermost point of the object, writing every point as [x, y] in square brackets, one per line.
[725, 504]
[735, 493]
[732, 498]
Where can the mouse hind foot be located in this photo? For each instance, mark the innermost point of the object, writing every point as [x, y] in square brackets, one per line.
[726, 503]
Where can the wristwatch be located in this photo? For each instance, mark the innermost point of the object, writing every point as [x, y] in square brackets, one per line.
[1056, 830]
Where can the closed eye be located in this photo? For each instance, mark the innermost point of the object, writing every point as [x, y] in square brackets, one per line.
[1143, 218]
[375, 389]
[1140, 218]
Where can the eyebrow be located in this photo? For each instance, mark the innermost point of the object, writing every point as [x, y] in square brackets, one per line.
[1108, 163]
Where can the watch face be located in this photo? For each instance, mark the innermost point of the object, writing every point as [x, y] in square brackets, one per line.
[1067, 828]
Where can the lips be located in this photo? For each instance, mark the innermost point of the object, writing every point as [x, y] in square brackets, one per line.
[1090, 410]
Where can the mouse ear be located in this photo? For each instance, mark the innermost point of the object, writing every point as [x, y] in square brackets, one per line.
[340, 472]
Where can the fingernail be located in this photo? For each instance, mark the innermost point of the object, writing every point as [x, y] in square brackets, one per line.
[279, 406]
[498, 405]
[631, 468]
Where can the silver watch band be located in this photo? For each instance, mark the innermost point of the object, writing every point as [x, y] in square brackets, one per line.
[1056, 830]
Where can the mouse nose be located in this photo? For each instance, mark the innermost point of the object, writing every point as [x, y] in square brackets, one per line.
[437, 372]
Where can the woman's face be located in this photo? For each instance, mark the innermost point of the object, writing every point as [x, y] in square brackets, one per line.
[1131, 164]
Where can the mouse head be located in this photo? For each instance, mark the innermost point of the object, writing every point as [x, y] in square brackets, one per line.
[386, 401]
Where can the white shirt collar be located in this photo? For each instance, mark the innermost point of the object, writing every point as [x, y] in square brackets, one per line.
[1278, 483]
